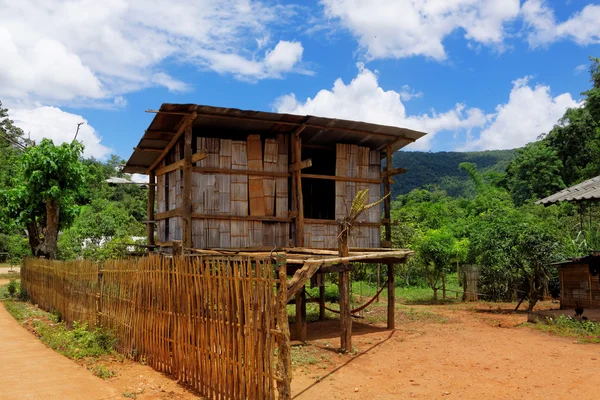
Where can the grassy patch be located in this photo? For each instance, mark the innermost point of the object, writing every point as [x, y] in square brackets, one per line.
[102, 371]
[583, 331]
[304, 356]
[10, 275]
[75, 343]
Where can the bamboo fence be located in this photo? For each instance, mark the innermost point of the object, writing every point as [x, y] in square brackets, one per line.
[211, 322]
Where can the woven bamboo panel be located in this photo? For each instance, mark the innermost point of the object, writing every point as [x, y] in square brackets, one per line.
[207, 322]
[256, 183]
[240, 236]
[270, 159]
[358, 162]
[282, 230]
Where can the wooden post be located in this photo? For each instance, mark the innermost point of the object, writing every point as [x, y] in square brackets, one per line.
[100, 293]
[322, 302]
[284, 358]
[301, 315]
[344, 287]
[378, 281]
[297, 190]
[391, 318]
[387, 210]
[150, 224]
[186, 193]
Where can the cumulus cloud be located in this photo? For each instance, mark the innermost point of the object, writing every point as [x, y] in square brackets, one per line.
[543, 29]
[57, 51]
[404, 28]
[529, 112]
[364, 100]
[60, 126]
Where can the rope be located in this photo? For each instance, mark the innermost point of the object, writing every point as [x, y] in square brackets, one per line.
[359, 309]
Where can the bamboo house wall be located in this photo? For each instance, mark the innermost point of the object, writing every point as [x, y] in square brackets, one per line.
[259, 179]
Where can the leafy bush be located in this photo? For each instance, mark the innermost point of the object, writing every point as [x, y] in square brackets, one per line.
[13, 287]
[78, 342]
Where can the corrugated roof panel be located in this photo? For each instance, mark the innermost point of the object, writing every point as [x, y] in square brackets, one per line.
[585, 190]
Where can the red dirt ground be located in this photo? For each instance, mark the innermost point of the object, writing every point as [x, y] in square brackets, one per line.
[476, 354]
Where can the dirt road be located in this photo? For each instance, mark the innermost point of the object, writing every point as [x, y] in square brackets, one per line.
[30, 370]
[474, 355]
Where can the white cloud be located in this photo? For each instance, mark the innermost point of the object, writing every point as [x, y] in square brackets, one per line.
[529, 112]
[582, 27]
[404, 28]
[580, 68]
[364, 100]
[57, 51]
[60, 126]
[139, 178]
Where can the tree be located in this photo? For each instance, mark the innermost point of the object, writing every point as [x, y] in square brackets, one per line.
[435, 250]
[43, 191]
[535, 173]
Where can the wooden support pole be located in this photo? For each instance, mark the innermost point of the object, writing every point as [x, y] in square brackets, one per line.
[387, 210]
[322, 302]
[391, 310]
[186, 193]
[344, 287]
[284, 358]
[150, 226]
[301, 316]
[297, 183]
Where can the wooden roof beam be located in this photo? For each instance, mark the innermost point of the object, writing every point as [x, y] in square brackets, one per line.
[180, 131]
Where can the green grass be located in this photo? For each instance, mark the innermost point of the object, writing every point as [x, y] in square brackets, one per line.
[583, 331]
[76, 343]
[102, 371]
[303, 356]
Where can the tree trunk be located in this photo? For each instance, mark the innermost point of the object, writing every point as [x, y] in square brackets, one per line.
[533, 294]
[435, 298]
[50, 246]
[33, 236]
[444, 285]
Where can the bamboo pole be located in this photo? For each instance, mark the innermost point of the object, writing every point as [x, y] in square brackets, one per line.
[150, 223]
[387, 206]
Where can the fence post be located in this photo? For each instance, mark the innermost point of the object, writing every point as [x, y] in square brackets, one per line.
[284, 359]
[99, 293]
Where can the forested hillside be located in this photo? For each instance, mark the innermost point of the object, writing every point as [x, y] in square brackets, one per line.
[441, 169]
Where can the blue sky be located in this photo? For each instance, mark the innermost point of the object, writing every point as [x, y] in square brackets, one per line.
[474, 74]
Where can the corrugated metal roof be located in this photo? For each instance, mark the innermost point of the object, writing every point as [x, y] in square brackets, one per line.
[585, 190]
[220, 122]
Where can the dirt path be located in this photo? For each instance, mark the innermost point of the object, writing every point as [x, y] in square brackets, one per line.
[30, 370]
[474, 355]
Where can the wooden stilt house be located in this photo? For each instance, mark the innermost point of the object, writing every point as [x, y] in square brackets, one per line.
[223, 178]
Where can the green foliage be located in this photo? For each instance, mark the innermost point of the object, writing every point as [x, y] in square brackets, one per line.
[102, 371]
[534, 173]
[78, 342]
[13, 287]
[584, 331]
[435, 250]
[440, 170]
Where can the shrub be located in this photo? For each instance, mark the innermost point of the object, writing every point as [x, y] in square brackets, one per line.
[12, 287]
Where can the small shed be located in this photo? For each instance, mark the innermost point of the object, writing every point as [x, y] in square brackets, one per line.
[580, 282]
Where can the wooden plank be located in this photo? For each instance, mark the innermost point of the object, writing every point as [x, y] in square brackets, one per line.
[225, 217]
[296, 157]
[147, 149]
[175, 212]
[300, 165]
[255, 184]
[150, 214]
[226, 171]
[186, 194]
[181, 163]
[185, 122]
[271, 155]
[393, 172]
